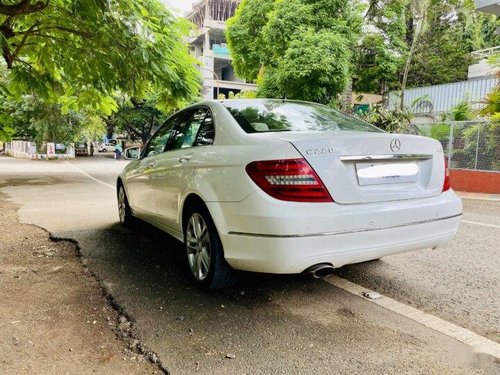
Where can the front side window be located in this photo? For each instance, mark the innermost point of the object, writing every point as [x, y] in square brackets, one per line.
[262, 116]
[159, 140]
[197, 129]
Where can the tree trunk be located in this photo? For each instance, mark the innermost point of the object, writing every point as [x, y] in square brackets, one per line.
[346, 98]
[110, 128]
[407, 70]
[420, 15]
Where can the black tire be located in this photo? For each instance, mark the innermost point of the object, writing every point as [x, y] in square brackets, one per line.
[219, 274]
[124, 211]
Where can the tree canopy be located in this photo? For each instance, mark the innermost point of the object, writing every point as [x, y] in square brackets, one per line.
[296, 48]
[79, 52]
[136, 118]
[382, 46]
[452, 29]
[311, 49]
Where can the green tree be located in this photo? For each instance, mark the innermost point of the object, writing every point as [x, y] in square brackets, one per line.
[33, 119]
[442, 54]
[419, 10]
[461, 112]
[428, 42]
[78, 52]
[245, 37]
[382, 46]
[137, 118]
[296, 48]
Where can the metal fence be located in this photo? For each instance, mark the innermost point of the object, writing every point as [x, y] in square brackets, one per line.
[467, 144]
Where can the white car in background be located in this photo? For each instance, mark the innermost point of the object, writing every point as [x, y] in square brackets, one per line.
[284, 187]
[106, 147]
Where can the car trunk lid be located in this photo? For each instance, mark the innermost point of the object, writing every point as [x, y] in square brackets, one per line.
[359, 167]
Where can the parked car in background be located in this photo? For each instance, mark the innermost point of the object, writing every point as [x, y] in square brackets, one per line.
[284, 187]
[106, 147]
[83, 148]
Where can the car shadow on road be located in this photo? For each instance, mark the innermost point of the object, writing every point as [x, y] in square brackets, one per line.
[155, 263]
[145, 272]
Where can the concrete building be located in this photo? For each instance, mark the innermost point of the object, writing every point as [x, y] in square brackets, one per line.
[209, 46]
[483, 68]
[488, 6]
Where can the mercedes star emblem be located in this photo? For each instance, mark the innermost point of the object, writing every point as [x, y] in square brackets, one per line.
[395, 145]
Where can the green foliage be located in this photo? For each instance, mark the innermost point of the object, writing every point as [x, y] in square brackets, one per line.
[6, 130]
[35, 120]
[482, 139]
[392, 121]
[440, 132]
[310, 49]
[461, 112]
[494, 142]
[245, 37]
[244, 94]
[319, 58]
[30, 118]
[137, 118]
[382, 47]
[494, 60]
[442, 54]
[377, 65]
[76, 53]
[297, 48]
[492, 104]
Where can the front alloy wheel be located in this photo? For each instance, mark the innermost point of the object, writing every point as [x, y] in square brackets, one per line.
[124, 212]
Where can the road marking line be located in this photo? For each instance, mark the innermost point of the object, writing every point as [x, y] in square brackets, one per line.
[482, 224]
[478, 343]
[91, 177]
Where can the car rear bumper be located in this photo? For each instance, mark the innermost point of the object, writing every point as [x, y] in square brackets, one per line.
[295, 254]
[284, 241]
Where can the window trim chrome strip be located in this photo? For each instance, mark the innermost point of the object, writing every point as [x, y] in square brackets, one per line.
[341, 232]
[348, 158]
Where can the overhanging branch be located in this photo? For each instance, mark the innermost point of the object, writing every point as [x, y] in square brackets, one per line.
[22, 7]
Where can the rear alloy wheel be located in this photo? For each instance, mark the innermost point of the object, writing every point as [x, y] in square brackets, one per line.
[124, 212]
[205, 255]
[198, 247]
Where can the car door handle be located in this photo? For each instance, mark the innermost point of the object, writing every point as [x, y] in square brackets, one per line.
[185, 159]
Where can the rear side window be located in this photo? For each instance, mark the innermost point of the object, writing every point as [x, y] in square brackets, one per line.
[262, 116]
[197, 129]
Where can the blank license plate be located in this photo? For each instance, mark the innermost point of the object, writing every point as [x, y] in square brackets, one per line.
[386, 173]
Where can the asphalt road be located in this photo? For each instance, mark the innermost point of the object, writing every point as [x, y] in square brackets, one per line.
[272, 324]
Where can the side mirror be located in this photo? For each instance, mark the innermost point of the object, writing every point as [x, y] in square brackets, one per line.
[132, 153]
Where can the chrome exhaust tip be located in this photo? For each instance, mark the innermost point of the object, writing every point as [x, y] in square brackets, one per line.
[321, 270]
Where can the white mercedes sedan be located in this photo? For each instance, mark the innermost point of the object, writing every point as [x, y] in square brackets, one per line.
[282, 186]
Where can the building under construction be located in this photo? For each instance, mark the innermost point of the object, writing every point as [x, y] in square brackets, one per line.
[209, 46]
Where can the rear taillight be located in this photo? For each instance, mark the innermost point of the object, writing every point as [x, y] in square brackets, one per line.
[288, 180]
[446, 183]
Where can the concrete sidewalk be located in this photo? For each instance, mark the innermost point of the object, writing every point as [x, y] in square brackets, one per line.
[480, 196]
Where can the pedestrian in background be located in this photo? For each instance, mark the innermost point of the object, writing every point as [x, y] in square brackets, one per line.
[118, 151]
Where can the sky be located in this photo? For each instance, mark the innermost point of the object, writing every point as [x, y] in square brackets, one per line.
[181, 5]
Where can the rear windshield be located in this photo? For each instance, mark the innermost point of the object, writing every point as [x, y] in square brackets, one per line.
[276, 116]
